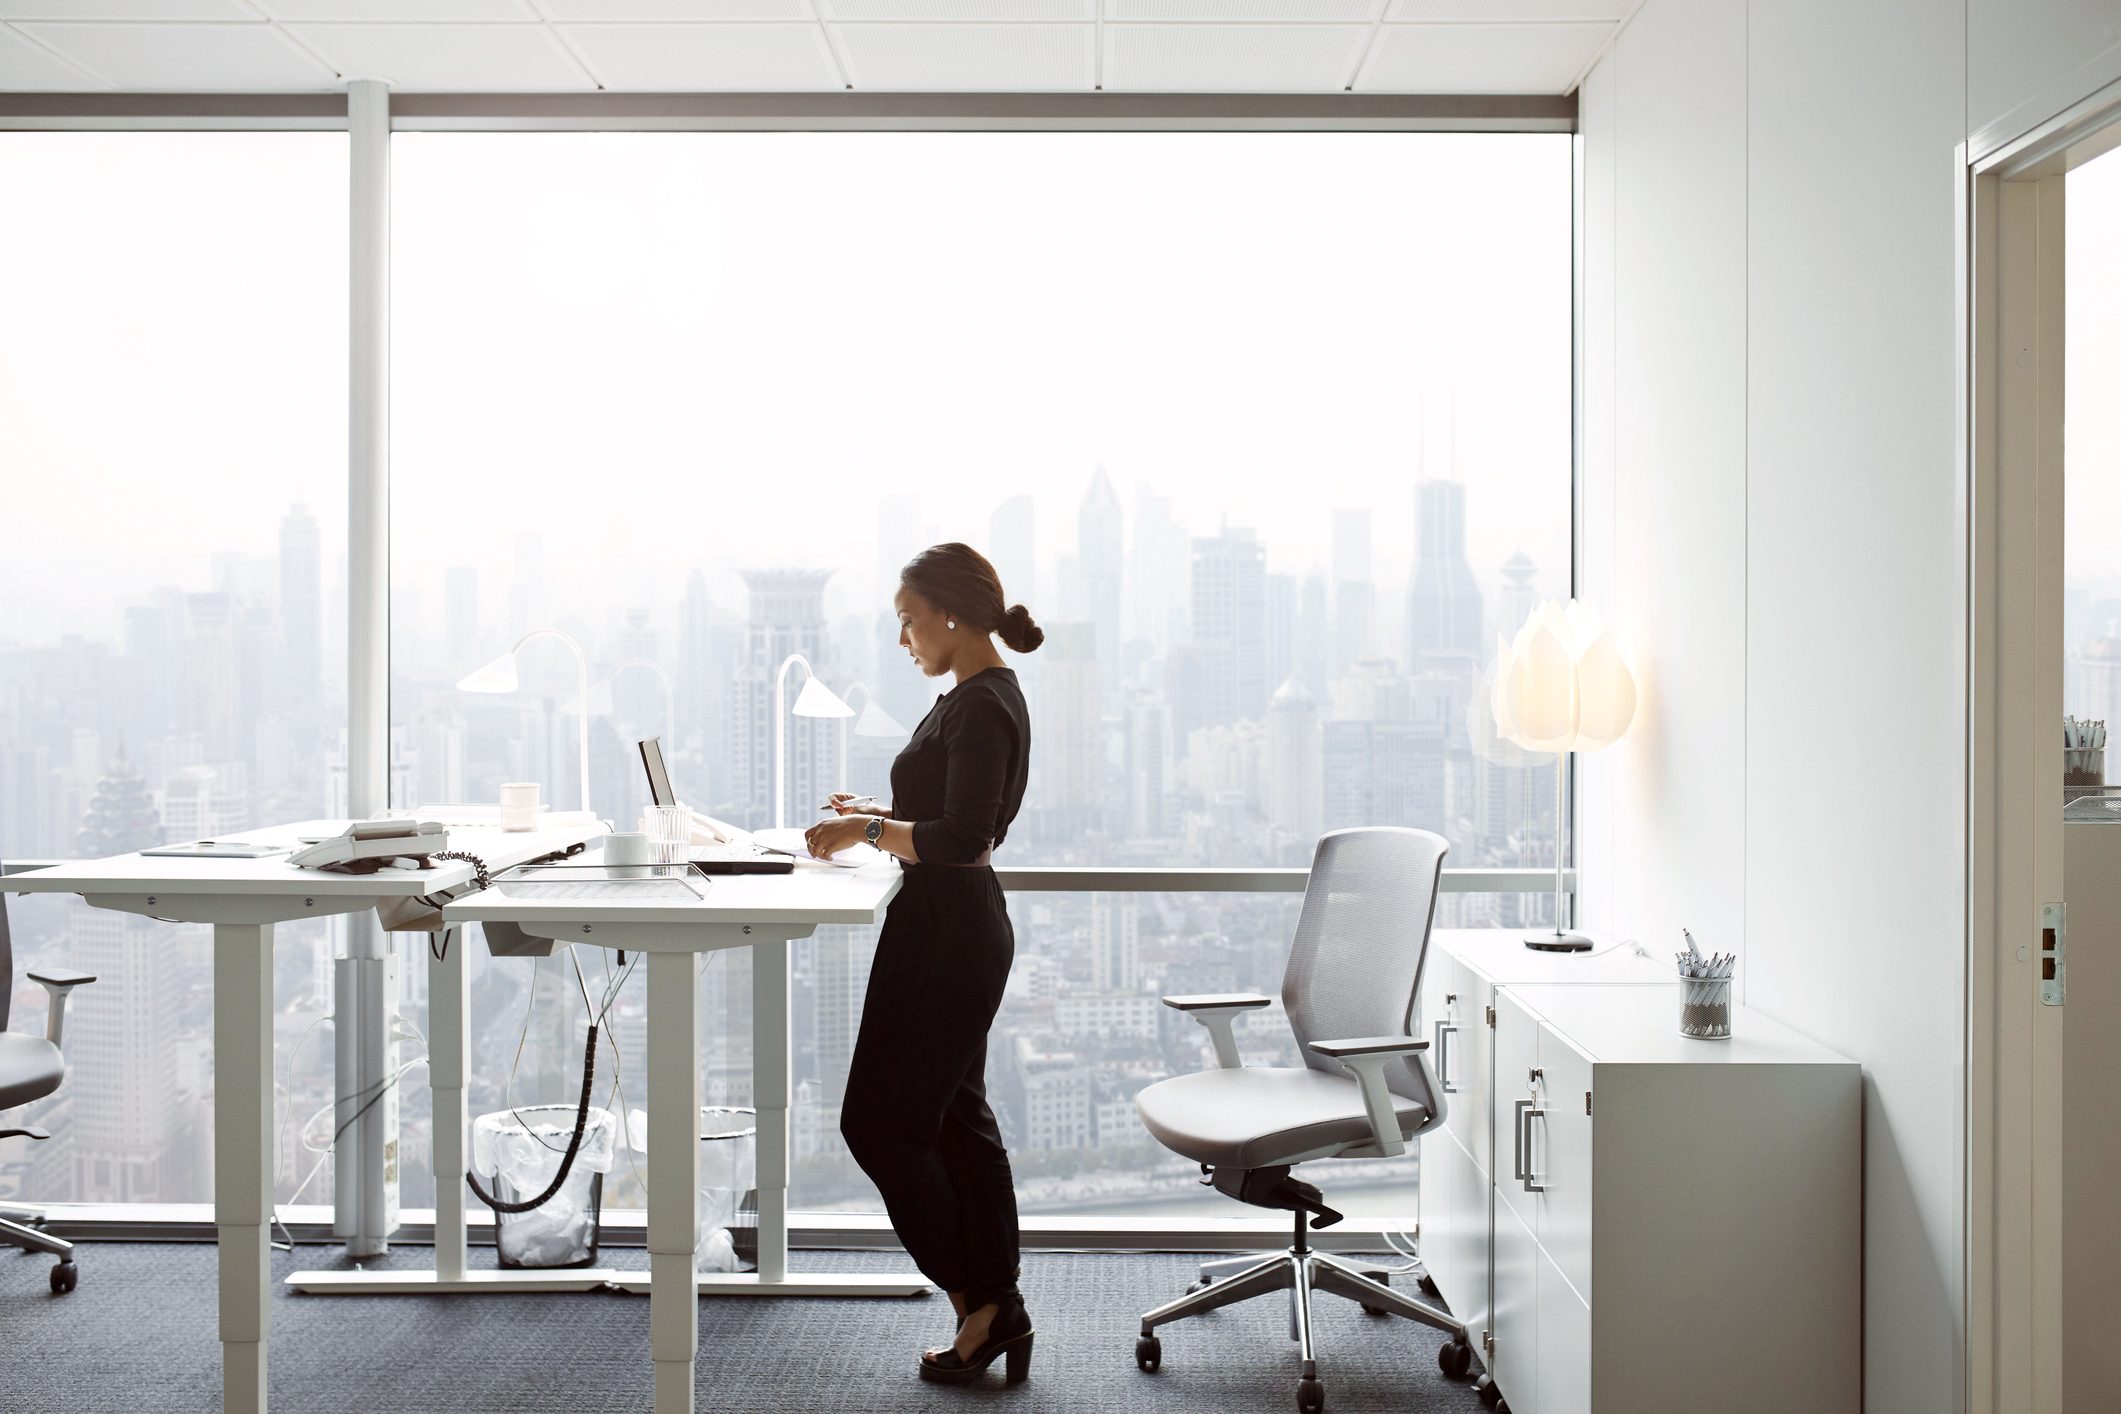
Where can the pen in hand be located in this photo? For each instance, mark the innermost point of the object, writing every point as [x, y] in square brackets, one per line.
[853, 803]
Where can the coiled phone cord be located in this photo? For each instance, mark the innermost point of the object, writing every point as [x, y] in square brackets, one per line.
[574, 1144]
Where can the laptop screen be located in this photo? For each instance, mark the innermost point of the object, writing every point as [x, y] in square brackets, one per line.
[659, 789]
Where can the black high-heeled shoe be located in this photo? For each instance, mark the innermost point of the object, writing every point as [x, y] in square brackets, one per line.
[1009, 1336]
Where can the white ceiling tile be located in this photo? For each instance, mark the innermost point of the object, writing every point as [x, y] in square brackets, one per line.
[1311, 11]
[943, 10]
[188, 57]
[676, 10]
[1230, 58]
[30, 68]
[986, 58]
[1510, 11]
[708, 58]
[1479, 58]
[309, 11]
[450, 58]
[126, 10]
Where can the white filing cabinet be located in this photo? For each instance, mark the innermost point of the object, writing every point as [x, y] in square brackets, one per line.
[1459, 980]
[1676, 1223]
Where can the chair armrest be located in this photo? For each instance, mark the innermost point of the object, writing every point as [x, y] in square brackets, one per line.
[1218, 1012]
[1366, 1056]
[58, 984]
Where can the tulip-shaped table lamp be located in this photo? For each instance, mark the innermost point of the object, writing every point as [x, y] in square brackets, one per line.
[1562, 686]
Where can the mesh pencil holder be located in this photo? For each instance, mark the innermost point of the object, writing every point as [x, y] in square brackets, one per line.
[1705, 1007]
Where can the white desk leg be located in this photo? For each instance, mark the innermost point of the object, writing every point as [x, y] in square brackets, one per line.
[243, 1011]
[673, 1176]
[448, 1059]
[770, 1097]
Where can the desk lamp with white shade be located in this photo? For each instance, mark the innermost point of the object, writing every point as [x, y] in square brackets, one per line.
[1562, 686]
[500, 676]
[815, 700]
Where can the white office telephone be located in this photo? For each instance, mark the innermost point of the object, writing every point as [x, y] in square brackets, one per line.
[374, 839]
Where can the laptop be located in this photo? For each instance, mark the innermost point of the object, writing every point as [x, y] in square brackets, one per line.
[732, 858]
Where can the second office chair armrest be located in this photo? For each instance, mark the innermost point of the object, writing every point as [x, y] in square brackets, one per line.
[59, 984]
[1366, 1056]
[1218, 1012]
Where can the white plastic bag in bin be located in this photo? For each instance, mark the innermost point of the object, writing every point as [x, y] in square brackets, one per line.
[522, 1149]
[729, 1169]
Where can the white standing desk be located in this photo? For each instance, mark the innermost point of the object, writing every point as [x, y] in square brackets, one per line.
[243, 899]
[762, 912]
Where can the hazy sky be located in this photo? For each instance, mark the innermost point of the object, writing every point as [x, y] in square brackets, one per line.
[663, 349]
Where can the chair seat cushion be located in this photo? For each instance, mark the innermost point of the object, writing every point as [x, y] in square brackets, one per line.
[1256, 1117]
[30, 1068]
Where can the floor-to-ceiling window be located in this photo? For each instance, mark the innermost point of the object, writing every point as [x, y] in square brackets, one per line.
[172, 660]
[2092, 447]
[1269, 431]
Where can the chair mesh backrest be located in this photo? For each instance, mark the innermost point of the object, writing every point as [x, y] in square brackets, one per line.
[1360, 943]
[7, 958]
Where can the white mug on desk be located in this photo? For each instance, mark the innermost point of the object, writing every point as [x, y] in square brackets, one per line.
[627, 849]
[519, 805]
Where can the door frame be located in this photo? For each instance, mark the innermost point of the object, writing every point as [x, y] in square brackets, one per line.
[2011, 273]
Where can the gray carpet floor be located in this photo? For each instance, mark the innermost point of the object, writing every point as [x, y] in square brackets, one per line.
[138, 1335]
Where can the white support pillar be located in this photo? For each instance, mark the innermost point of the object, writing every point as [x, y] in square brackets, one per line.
[364, 1209]
[673, 1176]
[243, 1168]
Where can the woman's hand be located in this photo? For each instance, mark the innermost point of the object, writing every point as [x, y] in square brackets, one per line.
[829, 837]
[842, 801]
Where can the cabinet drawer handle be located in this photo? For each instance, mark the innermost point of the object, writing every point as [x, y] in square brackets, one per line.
[1444, 1032]
[1527, 1111]
[1517, 1112]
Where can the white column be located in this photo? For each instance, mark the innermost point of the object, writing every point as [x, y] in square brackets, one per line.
[769, 1095]
[448, 1061]
[243, 1078]
[358, 1201]
[673, 1176]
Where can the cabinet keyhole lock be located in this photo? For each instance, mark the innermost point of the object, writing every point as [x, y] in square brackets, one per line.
[1534, 1075]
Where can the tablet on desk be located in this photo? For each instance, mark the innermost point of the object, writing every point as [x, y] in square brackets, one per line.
[216, 849]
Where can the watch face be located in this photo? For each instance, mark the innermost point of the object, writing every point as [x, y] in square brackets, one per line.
[874, 830]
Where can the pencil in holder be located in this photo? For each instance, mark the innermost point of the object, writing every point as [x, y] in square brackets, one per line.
[1705, 1007]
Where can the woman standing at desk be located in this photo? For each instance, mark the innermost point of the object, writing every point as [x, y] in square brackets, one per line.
[915, 1115]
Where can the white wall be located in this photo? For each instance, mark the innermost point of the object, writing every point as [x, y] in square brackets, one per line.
[1770, 511]
[2028, 59]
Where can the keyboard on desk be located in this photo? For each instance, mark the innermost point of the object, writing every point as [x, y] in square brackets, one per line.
[737, 859]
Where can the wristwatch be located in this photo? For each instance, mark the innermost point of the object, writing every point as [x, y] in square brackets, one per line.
[874, 830]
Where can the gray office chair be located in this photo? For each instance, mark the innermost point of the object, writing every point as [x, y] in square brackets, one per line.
[30, 1069]
[1364, 1089]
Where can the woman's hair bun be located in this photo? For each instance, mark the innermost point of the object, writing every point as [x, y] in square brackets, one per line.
[1019, 632]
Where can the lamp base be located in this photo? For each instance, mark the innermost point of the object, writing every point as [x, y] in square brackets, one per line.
[1558, 941]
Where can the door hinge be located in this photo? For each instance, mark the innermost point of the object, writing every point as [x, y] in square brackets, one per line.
[1487, 1341]
[1586, 1102]
[2054, 941]
[1491, 1018]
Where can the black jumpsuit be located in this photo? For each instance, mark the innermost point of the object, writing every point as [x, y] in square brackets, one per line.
[915, 1115]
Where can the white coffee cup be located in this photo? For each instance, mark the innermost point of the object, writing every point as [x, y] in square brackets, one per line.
[625, 849]
[519, 805]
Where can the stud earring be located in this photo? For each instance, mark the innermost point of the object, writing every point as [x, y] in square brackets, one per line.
[953, 623]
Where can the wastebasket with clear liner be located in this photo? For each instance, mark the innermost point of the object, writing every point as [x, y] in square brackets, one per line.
[517, 1152]
[729, 1193]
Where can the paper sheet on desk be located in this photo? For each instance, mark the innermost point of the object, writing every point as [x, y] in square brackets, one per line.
[789, 840]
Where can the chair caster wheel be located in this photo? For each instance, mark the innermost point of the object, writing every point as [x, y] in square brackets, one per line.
[1197, 1287]
[1455, 1359]
[1490, 1394]
[1148, 1353]
[1382, 1279]
[1310, 1396]
[1429, 1287]
[65, 1277]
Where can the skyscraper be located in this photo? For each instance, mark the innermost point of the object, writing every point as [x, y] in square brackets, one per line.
[301, 647]
[1229, 623]
[1068, 754]
[1012, 548]
[1294, 766]
[1100, 561]
[1354, 586]
[1443, 602]
[787, 616]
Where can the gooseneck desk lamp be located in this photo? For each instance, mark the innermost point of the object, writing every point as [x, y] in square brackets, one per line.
[1562, 686]
[815, 700]
[500, 676]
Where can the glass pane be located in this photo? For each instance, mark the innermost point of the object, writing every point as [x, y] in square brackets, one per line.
[1269, 431]
[173, 447]
[2092, 455]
